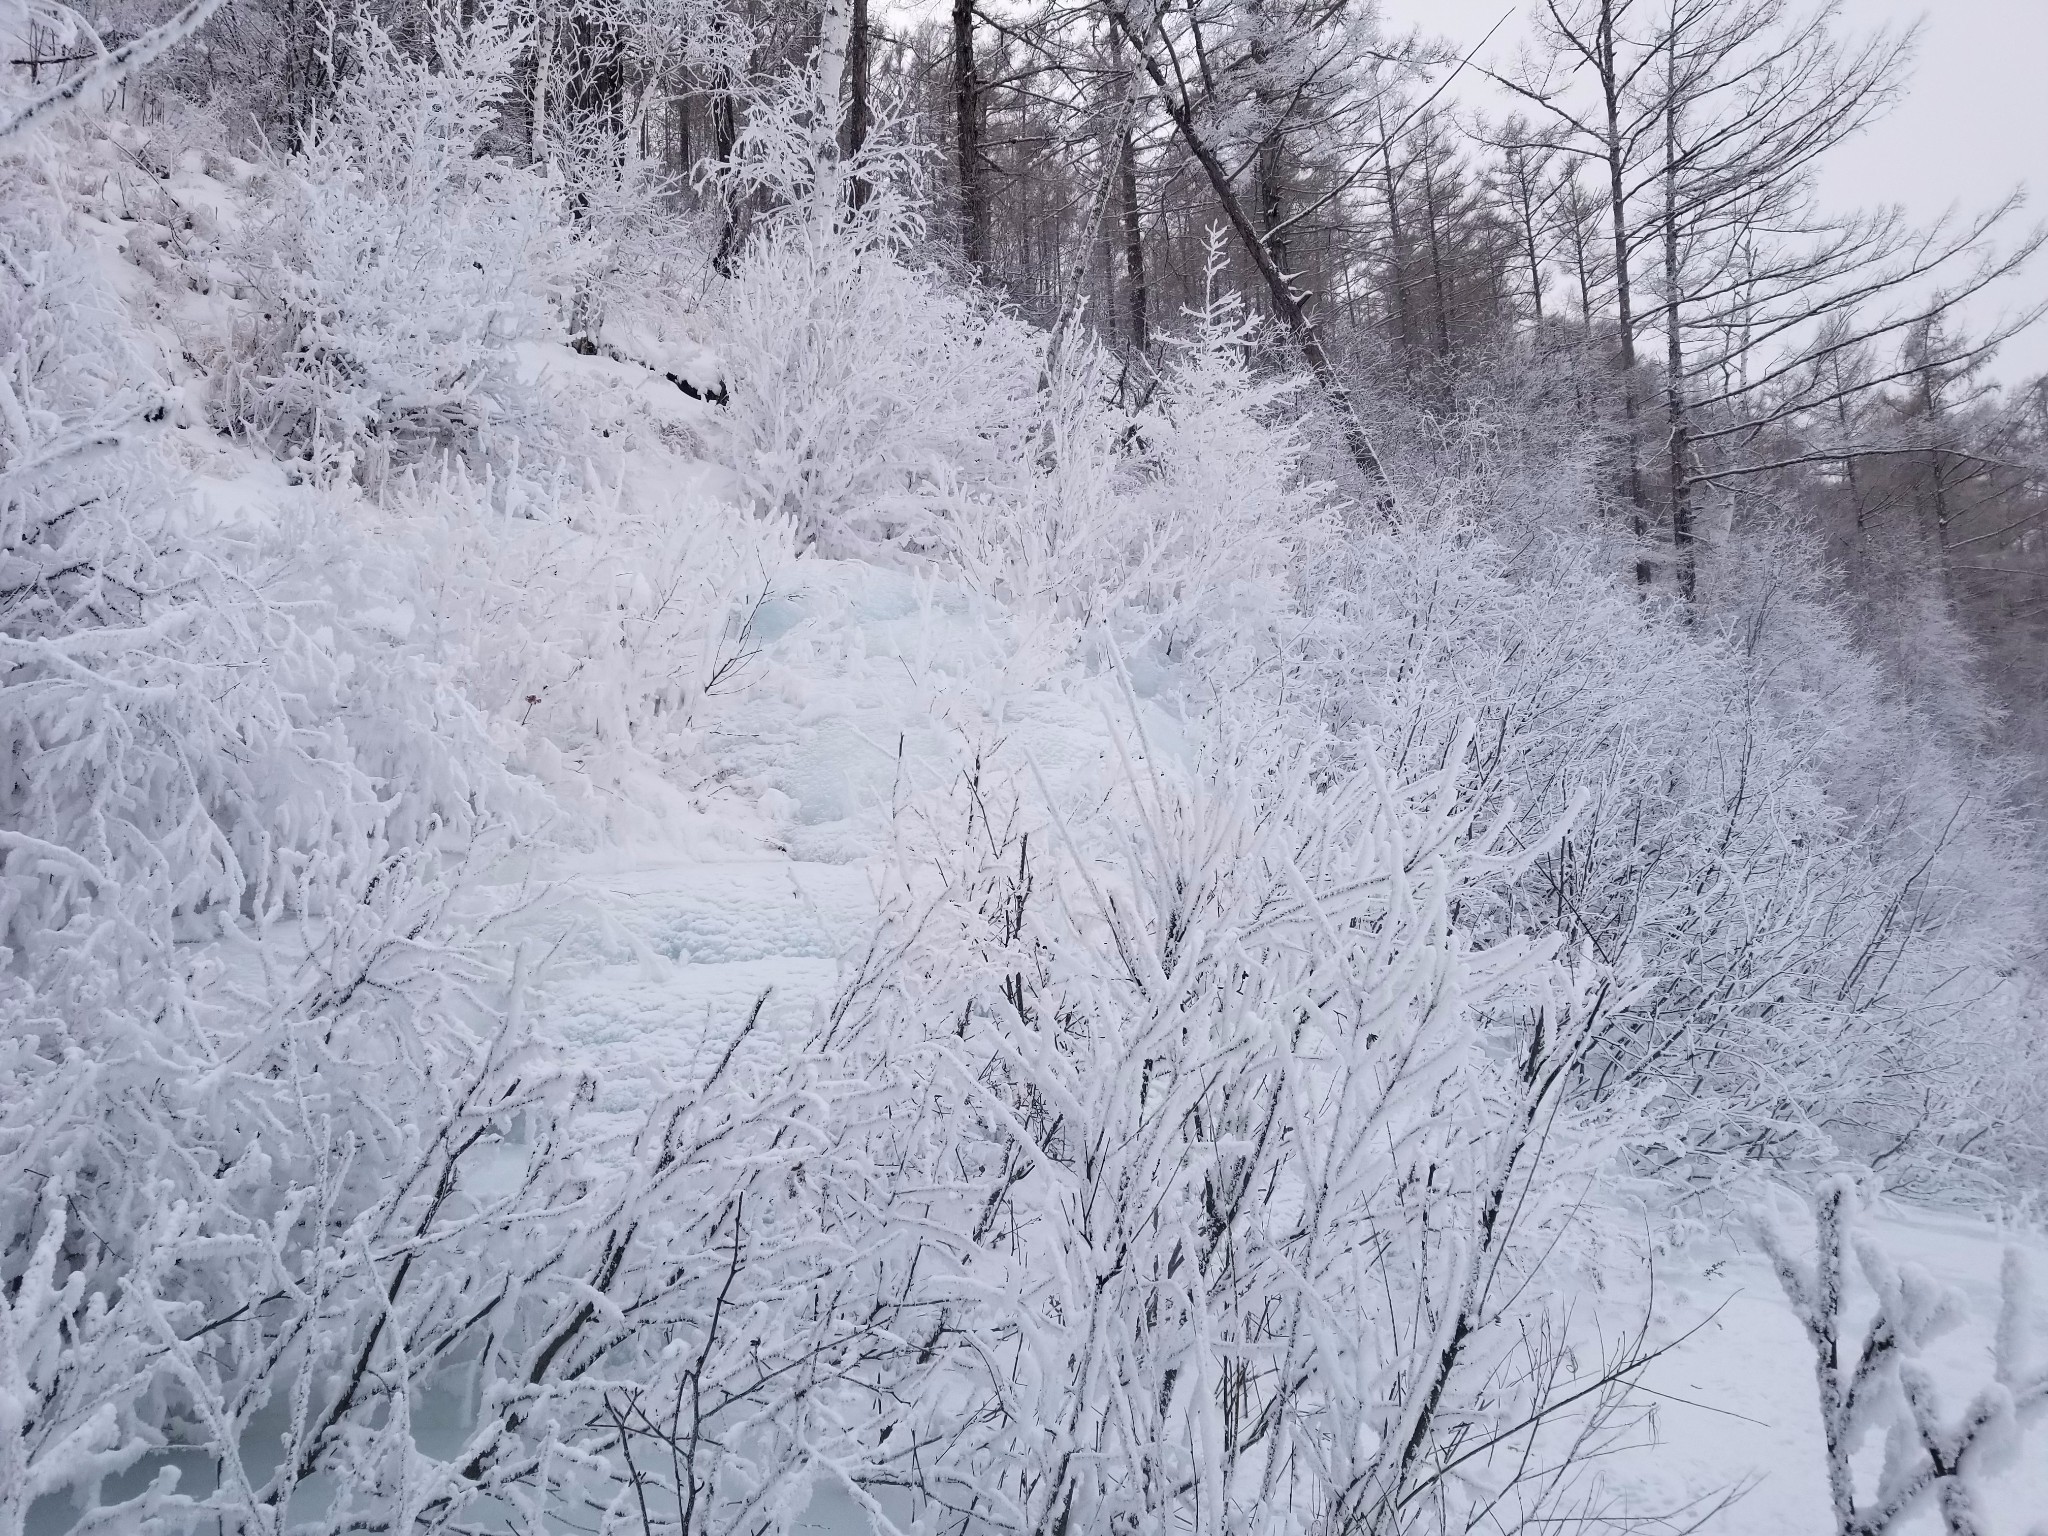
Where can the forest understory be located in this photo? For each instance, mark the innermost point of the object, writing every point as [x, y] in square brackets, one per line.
[1054, 771]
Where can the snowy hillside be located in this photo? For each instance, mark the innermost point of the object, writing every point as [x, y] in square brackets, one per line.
[665, 871]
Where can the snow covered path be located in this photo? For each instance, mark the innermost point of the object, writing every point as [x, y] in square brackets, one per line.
[655, 966]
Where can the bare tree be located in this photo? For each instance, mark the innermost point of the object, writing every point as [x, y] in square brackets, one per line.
[1167, 63]
[1525, 184]
[1583, 75]
[1710, 118]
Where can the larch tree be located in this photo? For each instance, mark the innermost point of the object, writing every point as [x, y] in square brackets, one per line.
[1238, 83]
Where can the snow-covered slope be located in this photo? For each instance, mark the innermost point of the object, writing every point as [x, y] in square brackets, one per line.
[867, 908]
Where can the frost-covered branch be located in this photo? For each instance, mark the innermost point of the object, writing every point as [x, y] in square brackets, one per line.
[108, 68]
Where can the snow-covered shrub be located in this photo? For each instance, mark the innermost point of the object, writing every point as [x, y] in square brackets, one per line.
[1231, 513]
[1177, 526]
[629, 242]
[865, 395]
[1805, 868]
[238, 814]
[868, 395]
[401, 266]
[593, 621]
[182, 683]
[1810, 993]
[1056, 534]
[1249, 1158]
[297, 1214]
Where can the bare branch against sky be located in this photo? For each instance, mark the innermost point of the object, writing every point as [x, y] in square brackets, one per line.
[1973, 126]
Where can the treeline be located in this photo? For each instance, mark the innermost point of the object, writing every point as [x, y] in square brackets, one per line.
[1645, 243]
[1648, 239]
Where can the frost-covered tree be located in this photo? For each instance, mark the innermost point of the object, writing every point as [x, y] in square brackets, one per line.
[401, 266]
[238, 815]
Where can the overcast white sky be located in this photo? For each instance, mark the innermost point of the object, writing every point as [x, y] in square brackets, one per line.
[1974, 125]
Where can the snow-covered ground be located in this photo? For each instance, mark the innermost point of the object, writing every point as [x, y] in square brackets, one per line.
[1735, 1403]
[661, 960]
[733, 875]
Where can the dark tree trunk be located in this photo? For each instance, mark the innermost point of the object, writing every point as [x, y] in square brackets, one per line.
[1439, 286]
[1397, 251]
[1131, 211]
[595, 88]
[679, 145]
[1684, 548]
[1624, 298]
[858, 115]
[725, 137]
[967, 140]
[1134, 242]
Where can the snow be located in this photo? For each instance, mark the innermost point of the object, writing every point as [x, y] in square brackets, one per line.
[660, 962]
[1735, 1411]
[655, 967]
[756, 747]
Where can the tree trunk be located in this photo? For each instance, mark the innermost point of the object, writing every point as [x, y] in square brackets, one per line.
[1684, 549]
[1859, 551]
[543, 67]
[967, 140]
[1134, 245]
[1133, 222]
[829, 192]
[835, 37]
[859, 117]
[725, 138]
[595, 88]
[1527, 191]
[1439, 288]
[1930, 400]
[1617, 193]
[1272, 169]
[1397, 258]
[1585, 286]
[1937, 473]
[679, 145]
